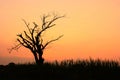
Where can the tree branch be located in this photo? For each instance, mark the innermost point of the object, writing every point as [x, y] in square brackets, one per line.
[25, 41]
[16, 47]
[44, 46]
[49, 25]
[44, 22]
[27, 36]
[27, 25]
[54, 19]
[32, 33]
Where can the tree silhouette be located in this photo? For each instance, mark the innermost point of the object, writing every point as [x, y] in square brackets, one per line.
[32, 38]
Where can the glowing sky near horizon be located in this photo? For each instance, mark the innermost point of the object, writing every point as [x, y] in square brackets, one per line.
[91, 28]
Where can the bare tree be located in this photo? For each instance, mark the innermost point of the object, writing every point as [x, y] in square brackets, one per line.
[32, 38]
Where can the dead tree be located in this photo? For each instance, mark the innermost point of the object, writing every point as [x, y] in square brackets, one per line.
[32, 38]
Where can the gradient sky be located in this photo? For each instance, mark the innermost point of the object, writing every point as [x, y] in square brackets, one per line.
[91, 28]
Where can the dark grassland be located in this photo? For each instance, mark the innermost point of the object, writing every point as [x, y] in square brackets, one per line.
[65, 70]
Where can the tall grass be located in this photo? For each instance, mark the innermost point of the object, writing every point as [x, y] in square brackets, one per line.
[65, 70]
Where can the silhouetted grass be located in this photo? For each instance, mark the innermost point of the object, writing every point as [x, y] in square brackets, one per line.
[64, 70]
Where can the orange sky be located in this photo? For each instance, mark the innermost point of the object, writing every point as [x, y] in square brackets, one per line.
[91, 28]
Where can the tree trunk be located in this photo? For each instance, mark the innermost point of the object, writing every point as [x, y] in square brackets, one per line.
[41, 59]
[36, 58]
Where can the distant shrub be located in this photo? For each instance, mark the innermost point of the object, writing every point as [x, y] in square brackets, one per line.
[11, 64]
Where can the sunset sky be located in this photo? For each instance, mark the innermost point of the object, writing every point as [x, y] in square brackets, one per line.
[91, 28]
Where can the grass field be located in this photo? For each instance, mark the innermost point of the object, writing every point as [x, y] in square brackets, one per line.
[64, 70]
